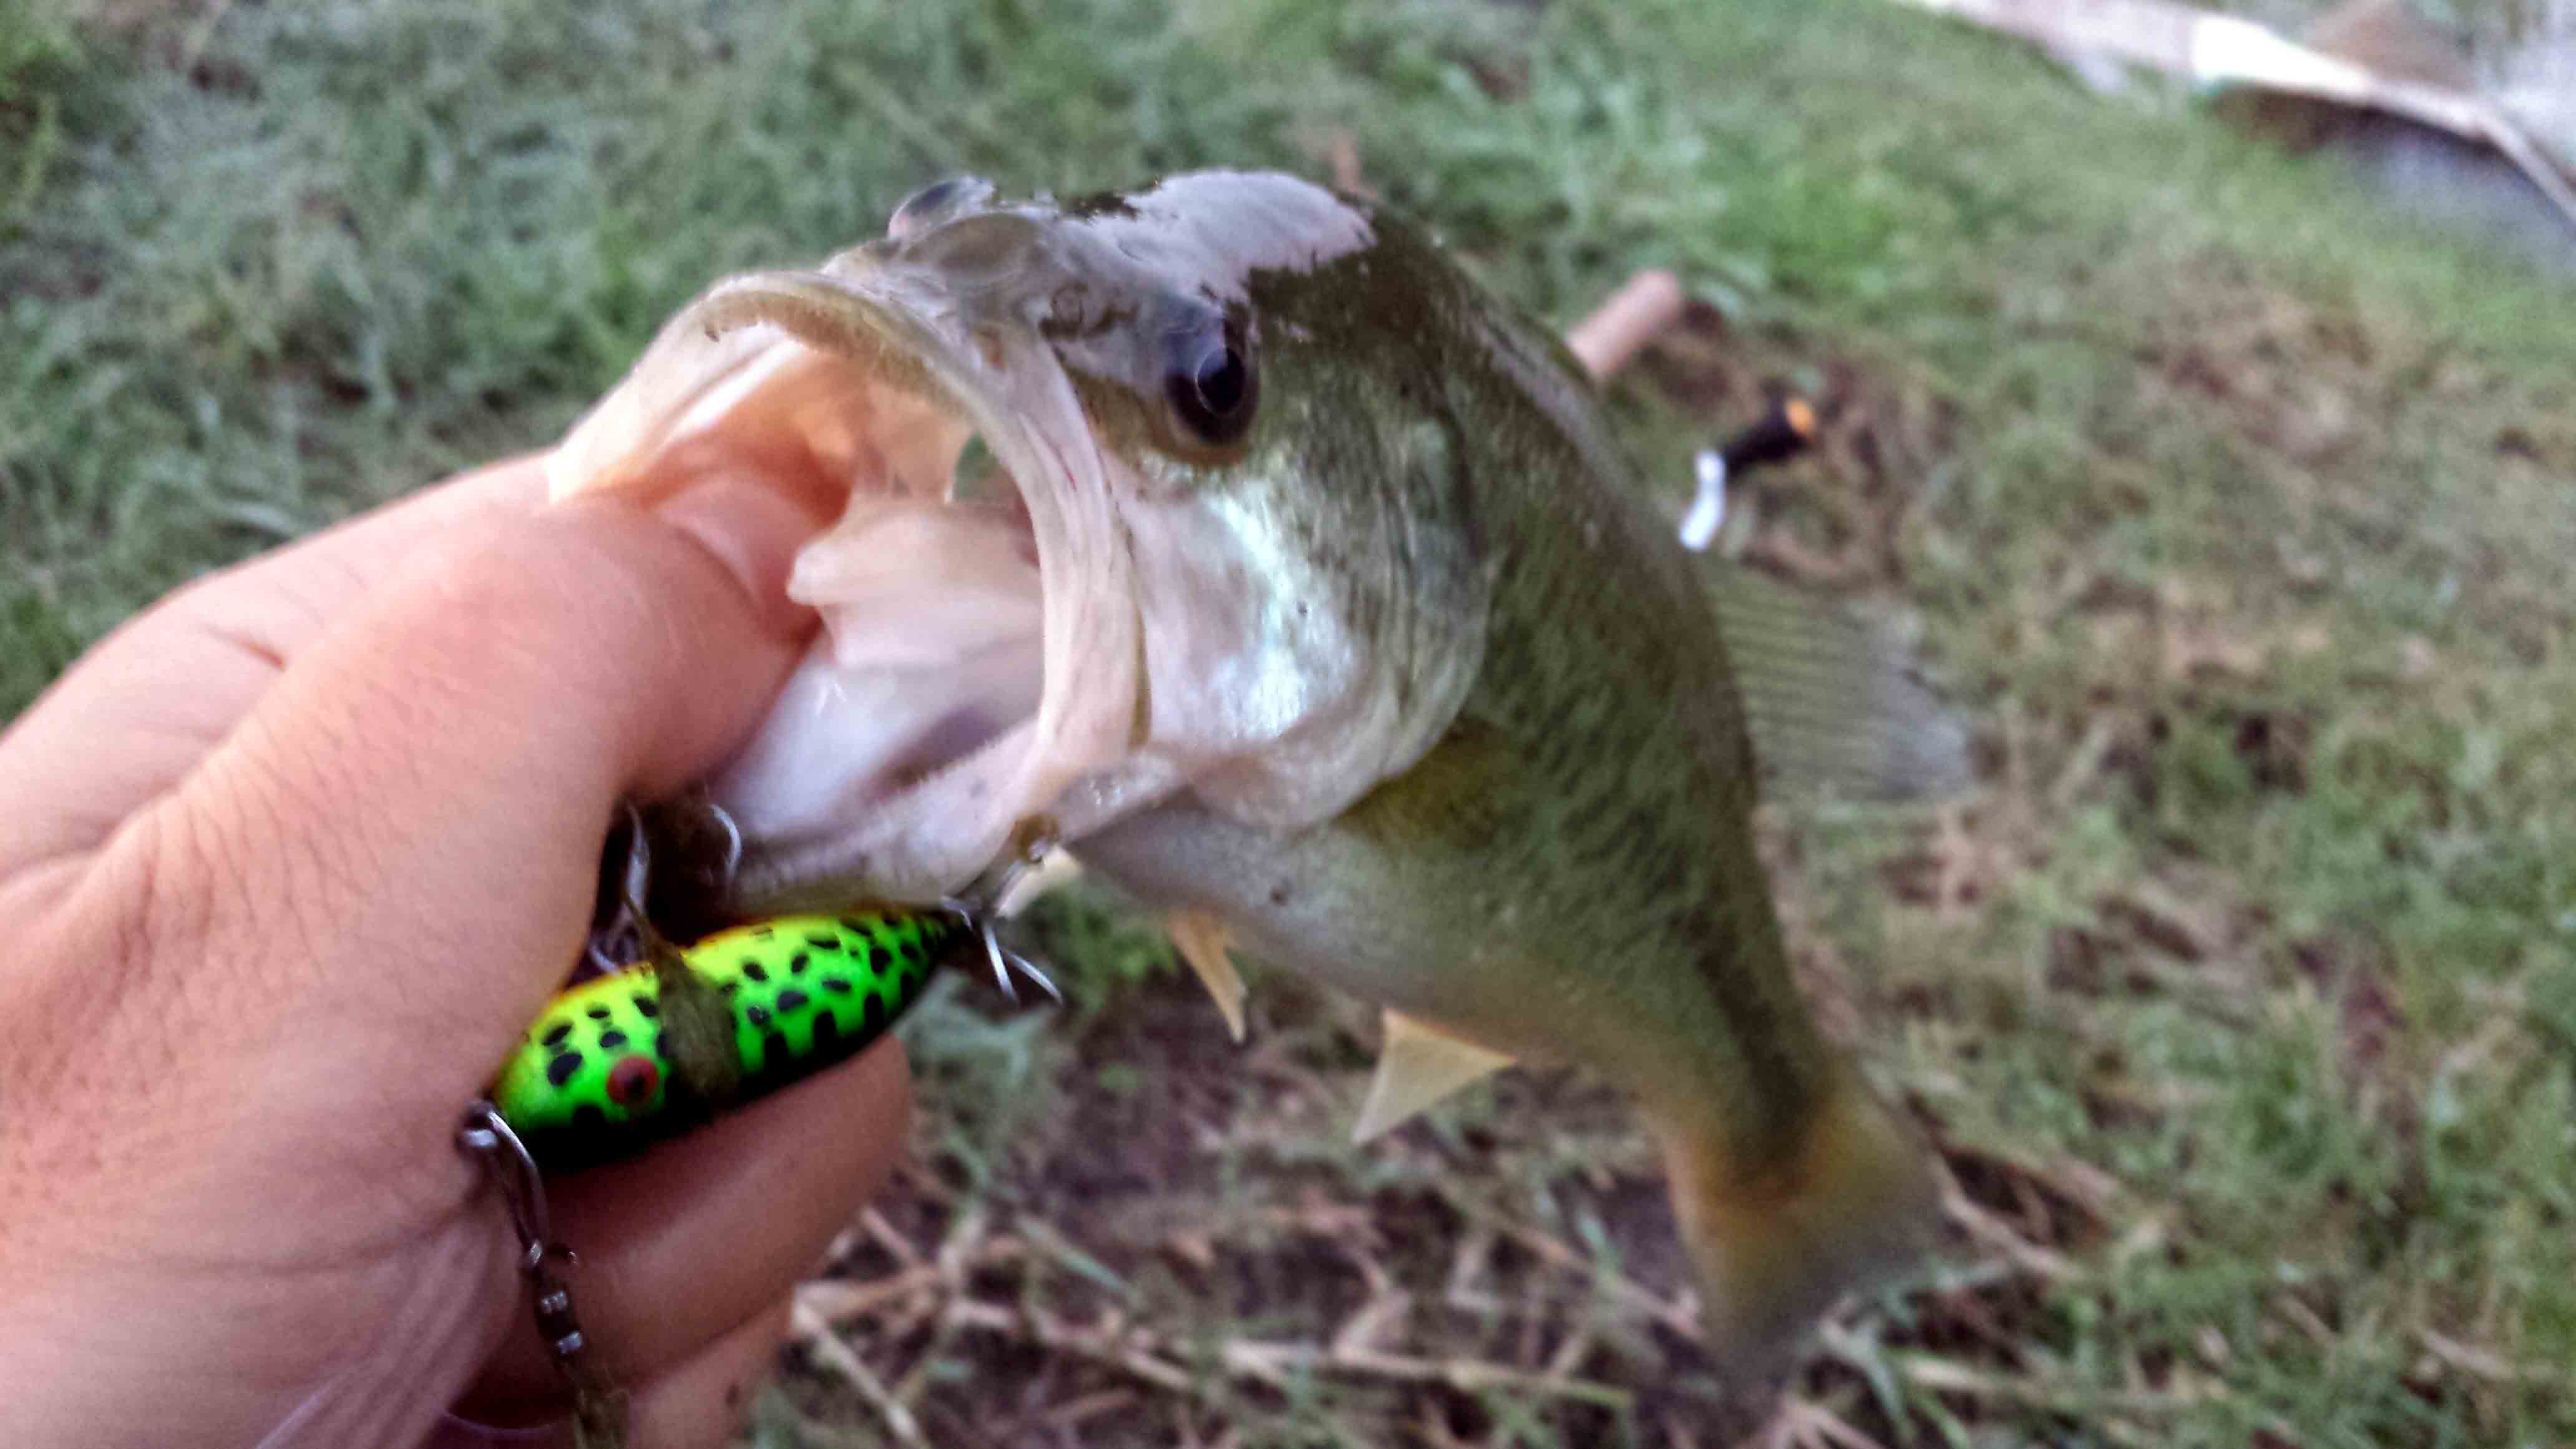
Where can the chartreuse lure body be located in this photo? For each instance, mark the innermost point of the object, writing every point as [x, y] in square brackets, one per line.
[630, 1058]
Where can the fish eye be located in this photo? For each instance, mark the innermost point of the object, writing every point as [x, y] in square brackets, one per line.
[1211, 384]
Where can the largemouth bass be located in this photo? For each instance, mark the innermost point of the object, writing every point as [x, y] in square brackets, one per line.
[1308, 595]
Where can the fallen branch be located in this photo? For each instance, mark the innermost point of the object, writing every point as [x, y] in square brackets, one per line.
[2485, 1363]
[1946, 1376]
[1619, 328]
[1129, 1353]
[1679, 1317]
[840, 1358]
[1274, 1363]
[2046, 1264]
[1139, 1354]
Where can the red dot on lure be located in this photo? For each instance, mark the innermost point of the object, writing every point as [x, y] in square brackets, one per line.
[633, 1080]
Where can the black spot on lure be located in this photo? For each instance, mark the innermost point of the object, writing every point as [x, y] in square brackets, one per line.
[624, 1060]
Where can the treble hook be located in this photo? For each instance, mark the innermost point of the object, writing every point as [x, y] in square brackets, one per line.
[619, 943]
[629, 932]
[978, 914]
[1001, 958]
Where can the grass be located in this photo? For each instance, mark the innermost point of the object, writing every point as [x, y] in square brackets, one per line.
[2240, 995]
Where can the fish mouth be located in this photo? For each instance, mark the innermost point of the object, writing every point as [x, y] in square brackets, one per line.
[979, 679]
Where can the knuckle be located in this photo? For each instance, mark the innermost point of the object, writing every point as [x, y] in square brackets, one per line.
[88, 1018]
[157, 878]
[285, 842]
[562, 604]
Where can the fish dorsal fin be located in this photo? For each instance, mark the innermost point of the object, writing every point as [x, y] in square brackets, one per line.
[1833, 701]
[1201, 937]
[1419, 1066]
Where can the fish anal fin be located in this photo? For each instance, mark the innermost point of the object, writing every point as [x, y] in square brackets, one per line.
[1202, 937]
[1419, 1066]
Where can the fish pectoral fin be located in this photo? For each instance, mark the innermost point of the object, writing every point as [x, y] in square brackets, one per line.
[1833, 701]
[1420, 1065]
[1202, 937]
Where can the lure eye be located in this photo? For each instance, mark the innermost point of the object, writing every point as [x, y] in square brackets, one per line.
[633, 1080]
[1211, 383]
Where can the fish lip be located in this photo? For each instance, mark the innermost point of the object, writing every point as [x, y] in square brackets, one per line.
[960, 344]
[1197, 636]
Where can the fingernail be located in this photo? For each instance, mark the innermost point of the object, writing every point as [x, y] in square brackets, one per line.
[754, 530]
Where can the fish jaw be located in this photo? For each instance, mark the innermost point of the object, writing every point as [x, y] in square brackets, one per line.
[1131, 624]
[880, 376]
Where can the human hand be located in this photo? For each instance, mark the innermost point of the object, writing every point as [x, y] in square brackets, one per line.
[286, 866]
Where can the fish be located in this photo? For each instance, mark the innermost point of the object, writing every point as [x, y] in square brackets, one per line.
[1230, 534]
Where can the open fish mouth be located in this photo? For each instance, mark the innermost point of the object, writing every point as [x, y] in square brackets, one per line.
[1111, 599]
[979, 674]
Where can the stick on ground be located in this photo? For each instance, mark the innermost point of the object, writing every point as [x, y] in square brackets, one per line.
[1612, 336]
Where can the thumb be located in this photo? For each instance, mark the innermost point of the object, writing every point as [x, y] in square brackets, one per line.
[429, 781]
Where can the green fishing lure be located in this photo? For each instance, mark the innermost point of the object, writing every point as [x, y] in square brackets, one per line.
[643, 1054]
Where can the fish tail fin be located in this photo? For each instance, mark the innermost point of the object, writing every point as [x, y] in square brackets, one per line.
[1776, 1245]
